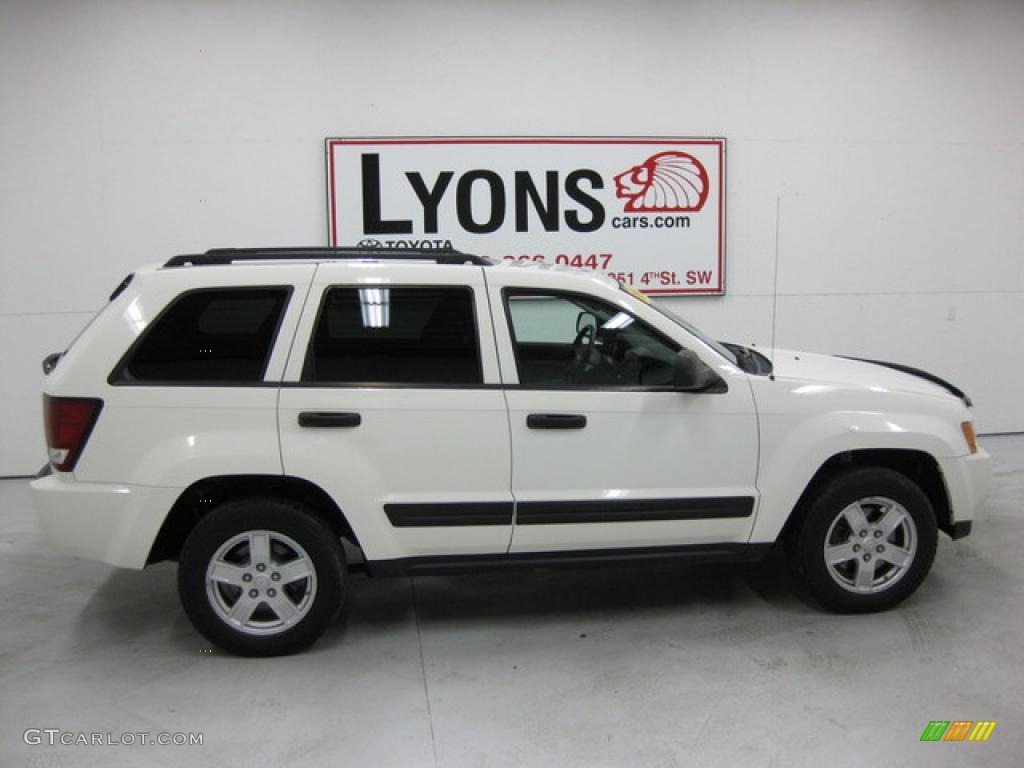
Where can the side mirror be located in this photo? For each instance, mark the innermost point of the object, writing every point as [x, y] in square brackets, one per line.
[690, 374]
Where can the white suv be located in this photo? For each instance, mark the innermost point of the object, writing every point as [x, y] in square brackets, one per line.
[245, 412]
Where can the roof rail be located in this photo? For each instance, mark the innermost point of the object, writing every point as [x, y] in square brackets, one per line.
[219, 256]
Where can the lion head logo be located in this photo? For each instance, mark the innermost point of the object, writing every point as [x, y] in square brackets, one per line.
[667, 181]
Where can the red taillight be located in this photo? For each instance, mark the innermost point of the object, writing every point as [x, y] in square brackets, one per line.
[69, 420]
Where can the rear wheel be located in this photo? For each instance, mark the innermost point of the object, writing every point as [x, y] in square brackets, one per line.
[261, 577]
[867, 541]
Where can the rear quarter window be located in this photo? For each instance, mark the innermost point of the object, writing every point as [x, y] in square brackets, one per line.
[222, 335]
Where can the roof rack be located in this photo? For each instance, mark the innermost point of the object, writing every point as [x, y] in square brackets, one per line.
[219, 256]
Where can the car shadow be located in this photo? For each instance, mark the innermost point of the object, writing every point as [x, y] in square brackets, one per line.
[539, 594]
[132, 609]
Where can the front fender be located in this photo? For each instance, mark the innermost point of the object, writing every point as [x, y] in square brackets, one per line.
[796, 443]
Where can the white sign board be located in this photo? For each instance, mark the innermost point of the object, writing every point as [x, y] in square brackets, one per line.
[650, 212]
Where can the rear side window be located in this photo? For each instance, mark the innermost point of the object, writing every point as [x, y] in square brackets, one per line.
[219, 336]
[395, 335]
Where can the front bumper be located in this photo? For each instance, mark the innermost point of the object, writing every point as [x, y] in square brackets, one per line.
[114, 524]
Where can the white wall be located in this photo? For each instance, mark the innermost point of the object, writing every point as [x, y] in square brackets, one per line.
[889, 133]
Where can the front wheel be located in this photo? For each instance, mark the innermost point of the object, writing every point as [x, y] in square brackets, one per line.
[261, 577]
[867, 541]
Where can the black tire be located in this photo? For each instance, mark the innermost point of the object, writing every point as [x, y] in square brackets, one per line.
[283, 610]
[869, 568]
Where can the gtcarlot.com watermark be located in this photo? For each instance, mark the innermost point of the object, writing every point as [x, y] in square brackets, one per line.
[55, 737]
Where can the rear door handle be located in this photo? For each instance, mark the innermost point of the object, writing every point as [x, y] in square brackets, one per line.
[556, 421]
[329, 419]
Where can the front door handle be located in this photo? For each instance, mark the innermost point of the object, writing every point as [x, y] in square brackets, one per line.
[556, 421]
[329, 419]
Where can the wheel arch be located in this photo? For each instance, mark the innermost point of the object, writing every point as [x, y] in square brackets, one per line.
[918, 466]
[204, 495]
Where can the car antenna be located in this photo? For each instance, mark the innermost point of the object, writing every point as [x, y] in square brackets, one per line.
[775, 287]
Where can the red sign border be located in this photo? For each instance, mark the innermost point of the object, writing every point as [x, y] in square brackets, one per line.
[331, 143]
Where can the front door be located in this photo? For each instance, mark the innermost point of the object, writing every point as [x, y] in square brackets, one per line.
[605, 454]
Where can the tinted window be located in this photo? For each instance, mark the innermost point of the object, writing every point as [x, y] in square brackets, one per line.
[209, 336]
[574, 340]
[395, 335]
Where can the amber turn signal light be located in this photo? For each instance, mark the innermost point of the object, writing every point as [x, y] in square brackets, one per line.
[969, 436]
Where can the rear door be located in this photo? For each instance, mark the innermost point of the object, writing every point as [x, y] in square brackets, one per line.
[392, 404]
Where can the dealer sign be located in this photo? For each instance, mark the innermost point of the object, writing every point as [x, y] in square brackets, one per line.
[649, 212]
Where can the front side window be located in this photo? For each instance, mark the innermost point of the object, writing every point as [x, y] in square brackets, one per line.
[395, 335]
[571, 340]
[208, 336]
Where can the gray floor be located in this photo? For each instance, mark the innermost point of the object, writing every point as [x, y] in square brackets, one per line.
[654, 666]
